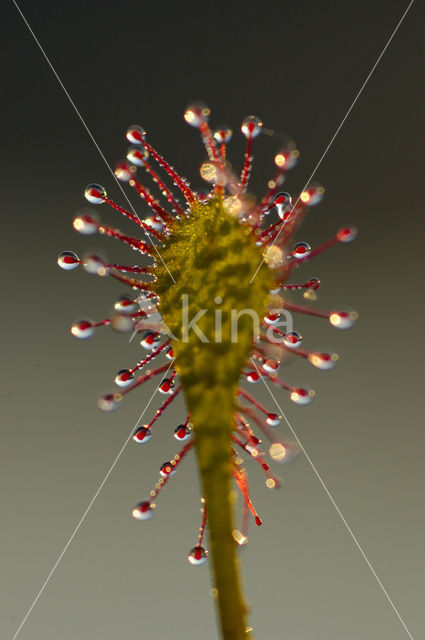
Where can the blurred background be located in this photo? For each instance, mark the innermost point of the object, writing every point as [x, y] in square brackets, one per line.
[298, 66]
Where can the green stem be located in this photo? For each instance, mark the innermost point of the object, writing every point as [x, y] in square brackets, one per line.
[212, 422]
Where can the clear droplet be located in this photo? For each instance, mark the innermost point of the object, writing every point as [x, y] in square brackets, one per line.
[142, 511]
[109, 402]
[347, 234]
[124, 171]
[252, 377]
[271, 366]
[343, 319]
[95, 193]
[125, 304]
[124, 378]
[313, 194]
[135, 134]
[197, 556]
[68, 260]
[95, 265]
[223, 134]
[166, 386]
[167, 469]
[301, 250]
[142, 435]
[154, 222]
[302, 396]
[83, 329]
[137, 155]
[283, 203]
[182, 433]
[169, 354]
[86, 222]
[251, 126]
[151, 340]
[196, 114]
[324, 360]
[121, 323]
[272, 318]
[293, 339]
[273, 419]
[287, 156]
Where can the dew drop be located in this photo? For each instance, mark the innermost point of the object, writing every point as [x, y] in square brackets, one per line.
[142, 435]
[301, 250]
[95, 264]
[121, 323]
[124, 378]
[154, 222]
[293, 339]
[109, 402]
[137, 155]
[124, 172]
[196, 114]
[273, 419]
[86, 222]
[283, 203]
[302, 396]
[135, 134]
[251, 126]
[252, 377]
[142, 511]
[343, 319]
[223, 134]
[68, 260]
[347, 234]
[271, 366]
[287, 157]
[125, 304]
[83, 329]
[324, 361]
[166, 470]
[151, 340]
[182, 433]
[197, 556]
[95, 193]
[272, 318]
[312, 195]
[166, 386]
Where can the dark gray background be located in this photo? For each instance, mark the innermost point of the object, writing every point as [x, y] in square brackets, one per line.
[299, 66]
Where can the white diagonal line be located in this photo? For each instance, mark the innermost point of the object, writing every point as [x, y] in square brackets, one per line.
[347, 526]
[338, 129]
[89, 132]
[83, 517]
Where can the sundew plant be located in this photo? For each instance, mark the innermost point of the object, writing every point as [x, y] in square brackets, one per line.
[213, 303]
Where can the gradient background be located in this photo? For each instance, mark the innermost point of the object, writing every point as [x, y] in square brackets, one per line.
[299, 66]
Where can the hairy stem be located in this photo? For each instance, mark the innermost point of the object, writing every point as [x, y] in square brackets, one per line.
[212, 426]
